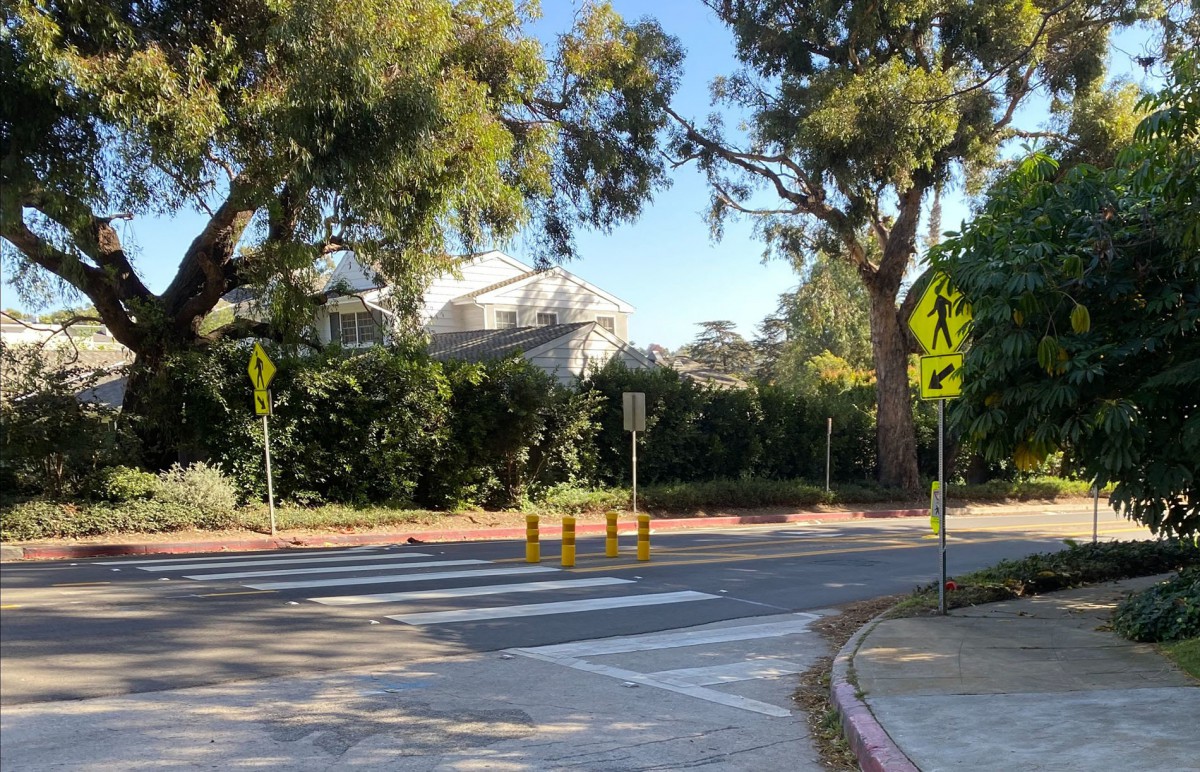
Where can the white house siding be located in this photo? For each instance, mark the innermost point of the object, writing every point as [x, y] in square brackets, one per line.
[340, 306]
[575, 356]
[552, 293]
[481, 272]
[351, 272]
[470, 317]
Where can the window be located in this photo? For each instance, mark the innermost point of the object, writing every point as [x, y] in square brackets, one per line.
[506, 320]
[607, 322]
[544, 320]
[357, 329]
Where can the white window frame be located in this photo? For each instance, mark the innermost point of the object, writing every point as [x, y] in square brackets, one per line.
[503, 325]
[358, 322]
[543, 316]
[611, 326]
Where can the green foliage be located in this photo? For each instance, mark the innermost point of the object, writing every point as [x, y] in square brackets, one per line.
[721, 348]
[123, 483]
[49, 441]
[751, 492]
[45, 519]
[1168, 611]
[1050, 571]
[201, 490]
[514, 427]
[1186, 654]
[828, 312]
[1086, 299]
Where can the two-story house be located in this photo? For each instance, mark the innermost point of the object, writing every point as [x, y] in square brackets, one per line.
[495, 307]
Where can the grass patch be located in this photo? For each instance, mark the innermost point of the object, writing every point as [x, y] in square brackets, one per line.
[333, 517]
[1186, 654]
[1050, 571]
[39, 519]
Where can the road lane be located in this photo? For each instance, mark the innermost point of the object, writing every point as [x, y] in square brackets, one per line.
[84, 628]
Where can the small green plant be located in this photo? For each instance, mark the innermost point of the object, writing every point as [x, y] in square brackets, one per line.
[123, 483]
[201, 489]
[1168, 611]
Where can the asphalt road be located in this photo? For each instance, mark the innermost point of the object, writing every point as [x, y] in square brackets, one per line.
[81, 629]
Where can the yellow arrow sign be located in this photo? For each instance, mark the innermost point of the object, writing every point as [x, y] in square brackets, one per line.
[940, 318]
[941, 376]
[262, 402]
[261, 368]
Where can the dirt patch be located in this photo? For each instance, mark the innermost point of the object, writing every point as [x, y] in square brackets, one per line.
[812, 695]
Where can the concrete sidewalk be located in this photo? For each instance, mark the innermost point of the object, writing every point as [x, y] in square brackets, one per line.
[1031, 684]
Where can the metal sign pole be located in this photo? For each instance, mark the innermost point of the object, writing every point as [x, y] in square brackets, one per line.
[1095, 513]
[828, 443]
[270, 488]
[941, 495]
[634, 434]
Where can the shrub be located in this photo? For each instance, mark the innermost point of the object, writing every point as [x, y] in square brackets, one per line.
[123, 483]
[45, 519]
[566, 500]
[202, 490]
[1168, 611]
[752, 492]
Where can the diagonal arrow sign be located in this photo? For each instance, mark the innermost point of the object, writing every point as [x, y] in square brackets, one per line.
[935, 379]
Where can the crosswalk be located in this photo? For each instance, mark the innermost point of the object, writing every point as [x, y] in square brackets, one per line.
[451, 586]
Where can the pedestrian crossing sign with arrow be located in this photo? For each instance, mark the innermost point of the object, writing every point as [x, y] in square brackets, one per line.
[262, 402]
[261, 368]
[940, 318]
[941, 376]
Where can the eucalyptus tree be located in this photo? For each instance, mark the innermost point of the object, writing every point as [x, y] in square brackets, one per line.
[857, 111]
[404, 130]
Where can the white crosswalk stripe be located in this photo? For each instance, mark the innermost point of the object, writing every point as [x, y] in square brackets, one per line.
[282, 556]
[393, 578]
[333, 569]
[542, 609]
[467, 592]
[310, 559]
[357, 568]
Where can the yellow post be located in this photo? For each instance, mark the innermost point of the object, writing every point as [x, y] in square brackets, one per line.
[533, 548]
[568, 542]
[643, 547]
[610, 534]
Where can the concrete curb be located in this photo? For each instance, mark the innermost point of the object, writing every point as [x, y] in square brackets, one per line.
[76, 551]
[872, 745]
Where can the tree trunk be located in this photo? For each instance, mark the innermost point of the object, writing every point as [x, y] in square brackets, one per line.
[895, 437]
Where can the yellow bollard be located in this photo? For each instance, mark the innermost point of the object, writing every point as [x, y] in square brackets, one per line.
[533, 548]
[568, 542]
[643, 547]
[610, 534]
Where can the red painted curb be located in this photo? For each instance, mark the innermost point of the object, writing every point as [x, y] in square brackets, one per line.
[74, 551]
[872, 745]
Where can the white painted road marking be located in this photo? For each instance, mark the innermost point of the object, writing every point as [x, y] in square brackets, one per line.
[675, 638]
[543, 609]
[401, 578]
[335, 569]
[686, 681]
[239, 556]
[467, 592]
[265, 562]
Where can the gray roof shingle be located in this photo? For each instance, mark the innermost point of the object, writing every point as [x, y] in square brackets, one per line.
[482, 345]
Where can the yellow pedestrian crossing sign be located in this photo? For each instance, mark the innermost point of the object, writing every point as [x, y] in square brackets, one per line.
[941, 376]
[262, 402]
[261, 368]
[940, 318]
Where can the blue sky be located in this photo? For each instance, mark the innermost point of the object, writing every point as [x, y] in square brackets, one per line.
[665, 264]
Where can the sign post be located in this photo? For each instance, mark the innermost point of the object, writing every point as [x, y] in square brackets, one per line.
[262, 371]
[939, 323]
[634, 404]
